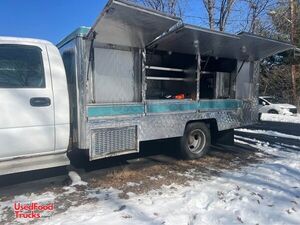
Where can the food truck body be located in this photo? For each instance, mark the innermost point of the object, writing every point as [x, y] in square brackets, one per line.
[136, 75]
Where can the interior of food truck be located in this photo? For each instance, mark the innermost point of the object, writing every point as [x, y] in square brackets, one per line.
[171, 75]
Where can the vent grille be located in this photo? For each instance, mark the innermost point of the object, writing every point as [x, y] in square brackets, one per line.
[111, 141]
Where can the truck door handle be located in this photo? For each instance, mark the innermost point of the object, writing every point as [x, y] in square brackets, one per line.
[40, 102]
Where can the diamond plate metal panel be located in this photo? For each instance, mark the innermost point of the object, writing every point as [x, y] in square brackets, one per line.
[249, 113]
[111, 141]
[169, 125]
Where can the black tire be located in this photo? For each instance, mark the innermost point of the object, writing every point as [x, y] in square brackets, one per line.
[195, 141]
[259, 116]
[272, 111]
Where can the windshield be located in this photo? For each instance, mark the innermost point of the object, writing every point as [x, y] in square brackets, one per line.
[272, 100]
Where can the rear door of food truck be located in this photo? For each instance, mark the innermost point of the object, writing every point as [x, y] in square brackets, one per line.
[26, 100]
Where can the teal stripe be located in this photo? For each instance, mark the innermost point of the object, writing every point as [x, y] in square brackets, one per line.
[163, 107]
[115, 110]
[219, 104]
[202, 105]
[170, 107]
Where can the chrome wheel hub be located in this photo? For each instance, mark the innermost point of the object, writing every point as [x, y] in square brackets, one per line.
[196, 141]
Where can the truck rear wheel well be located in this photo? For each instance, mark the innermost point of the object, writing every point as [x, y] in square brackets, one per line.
[210, 123]
[225, 137]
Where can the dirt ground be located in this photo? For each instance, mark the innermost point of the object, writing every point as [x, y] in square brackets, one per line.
[143, 175]
[137, 175]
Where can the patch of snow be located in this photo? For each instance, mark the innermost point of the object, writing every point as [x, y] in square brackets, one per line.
[155, 177]
[132, 184]
[69, 189]
[280, 118]
[76, 179]
[263, 193]
[293, 147]
[269, 133]
[290, 146]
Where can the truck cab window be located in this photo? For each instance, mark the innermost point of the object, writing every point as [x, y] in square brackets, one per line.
[21, 66]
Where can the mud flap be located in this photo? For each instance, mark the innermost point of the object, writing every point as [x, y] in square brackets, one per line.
[225, 137]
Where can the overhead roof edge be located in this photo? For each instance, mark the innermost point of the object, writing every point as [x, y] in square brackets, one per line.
[79, 32]
[129, 5]
[190, 26]
[244, 33]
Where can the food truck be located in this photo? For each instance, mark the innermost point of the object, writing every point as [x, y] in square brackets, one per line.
[136, 75]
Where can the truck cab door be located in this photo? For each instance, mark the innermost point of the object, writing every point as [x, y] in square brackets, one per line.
[26, 101]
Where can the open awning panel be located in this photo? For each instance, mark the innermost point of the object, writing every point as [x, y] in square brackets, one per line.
[125, 24]
[210, 42]
[243, 46]
[258, 47]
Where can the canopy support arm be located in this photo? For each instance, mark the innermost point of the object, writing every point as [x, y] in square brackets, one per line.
[172, 29]
[198, 56]
[90, 68]
[239, 70]
[144, 83]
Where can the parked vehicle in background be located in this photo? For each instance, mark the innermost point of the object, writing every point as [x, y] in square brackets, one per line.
[269, 104]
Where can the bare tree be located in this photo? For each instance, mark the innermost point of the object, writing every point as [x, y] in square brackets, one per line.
[224, 12]
[286, 21]
[220, 10]
[275, 79]
[257, 9]
[173, 7]
[210, 8]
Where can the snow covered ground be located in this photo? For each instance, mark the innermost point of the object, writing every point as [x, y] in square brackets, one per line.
[280, 118]
[269, 133]
[264, 192]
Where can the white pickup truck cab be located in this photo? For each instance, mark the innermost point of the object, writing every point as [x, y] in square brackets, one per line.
[34, 106]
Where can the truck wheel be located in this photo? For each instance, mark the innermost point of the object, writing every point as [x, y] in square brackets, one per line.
[259, 116]
[195, 141]
[273, 111]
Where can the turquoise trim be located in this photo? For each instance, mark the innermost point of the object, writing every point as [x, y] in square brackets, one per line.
[163, 107]
[219, 104]
[225, 104]
[115, 110]
[171, 107]
[79, 32]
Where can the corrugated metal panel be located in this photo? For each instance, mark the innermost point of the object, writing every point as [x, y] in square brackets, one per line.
[114, 76]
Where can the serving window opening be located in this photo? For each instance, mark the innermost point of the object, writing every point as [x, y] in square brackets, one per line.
[171, 75]
[217, 78]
